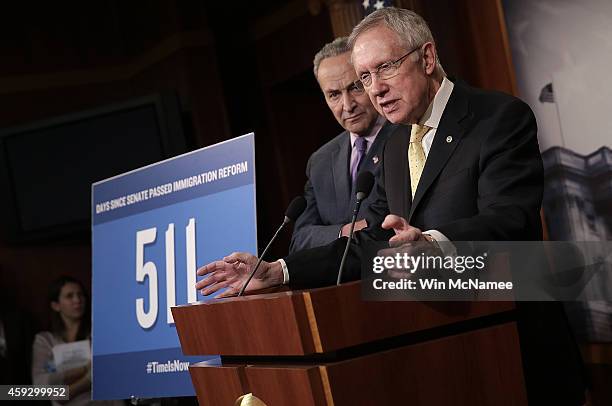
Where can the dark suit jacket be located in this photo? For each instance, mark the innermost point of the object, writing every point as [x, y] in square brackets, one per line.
[482, 181]
[328, 194]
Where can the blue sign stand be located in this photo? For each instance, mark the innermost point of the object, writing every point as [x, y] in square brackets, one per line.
[152, 228]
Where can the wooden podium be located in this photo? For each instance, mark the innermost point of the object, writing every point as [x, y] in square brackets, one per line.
[328, 347]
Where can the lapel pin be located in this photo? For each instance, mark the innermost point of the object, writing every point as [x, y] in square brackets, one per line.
[449, 139]
[375, 159]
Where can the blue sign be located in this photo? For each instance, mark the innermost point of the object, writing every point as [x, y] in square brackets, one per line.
[152, 228]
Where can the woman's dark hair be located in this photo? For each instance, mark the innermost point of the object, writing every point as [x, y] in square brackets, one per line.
[57, 324]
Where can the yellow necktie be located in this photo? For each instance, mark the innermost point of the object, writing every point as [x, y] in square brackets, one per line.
[416, 155]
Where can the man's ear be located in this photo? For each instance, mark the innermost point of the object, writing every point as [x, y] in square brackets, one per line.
[429, 58]
[55, 306]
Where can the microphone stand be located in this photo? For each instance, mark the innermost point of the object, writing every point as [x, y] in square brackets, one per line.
[295, 209]
[285, 222]
[348, 243]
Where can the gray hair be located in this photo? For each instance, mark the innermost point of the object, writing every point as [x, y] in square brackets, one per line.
[411, 28]
[337, 47]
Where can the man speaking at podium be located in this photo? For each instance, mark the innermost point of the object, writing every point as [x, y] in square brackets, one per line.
[469, 171]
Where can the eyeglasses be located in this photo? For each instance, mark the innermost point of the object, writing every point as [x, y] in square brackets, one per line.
[385, 71]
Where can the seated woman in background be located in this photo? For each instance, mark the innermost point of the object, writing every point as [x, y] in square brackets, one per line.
[70, 322]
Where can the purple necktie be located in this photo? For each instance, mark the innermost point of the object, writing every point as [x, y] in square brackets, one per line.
[362, 145]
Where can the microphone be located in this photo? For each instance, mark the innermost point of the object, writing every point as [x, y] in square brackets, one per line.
[295, 209]
[364, 184]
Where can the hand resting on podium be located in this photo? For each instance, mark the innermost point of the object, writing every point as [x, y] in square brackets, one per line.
[233, 271]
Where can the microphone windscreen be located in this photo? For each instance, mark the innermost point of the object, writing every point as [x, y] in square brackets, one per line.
[364, 184]
[296, 208]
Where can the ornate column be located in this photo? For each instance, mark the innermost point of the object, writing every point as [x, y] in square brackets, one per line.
[345, 14]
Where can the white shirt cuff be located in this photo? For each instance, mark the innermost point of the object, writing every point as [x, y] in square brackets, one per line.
[448, 248]
[285, 271]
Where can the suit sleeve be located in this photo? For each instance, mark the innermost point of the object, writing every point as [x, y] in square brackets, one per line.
[309, 230]
[510, 182]
[317, 267]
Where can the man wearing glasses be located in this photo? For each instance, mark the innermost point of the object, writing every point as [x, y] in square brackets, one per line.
[330, 199]
[470, 170]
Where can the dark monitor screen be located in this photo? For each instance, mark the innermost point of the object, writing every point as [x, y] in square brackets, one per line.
[50, 167]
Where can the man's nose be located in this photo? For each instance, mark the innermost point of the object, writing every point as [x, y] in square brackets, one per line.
[377, 88]
[348, 102]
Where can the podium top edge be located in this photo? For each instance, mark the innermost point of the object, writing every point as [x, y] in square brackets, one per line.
[264, 296]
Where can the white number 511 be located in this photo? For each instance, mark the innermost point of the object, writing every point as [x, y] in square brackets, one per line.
[146, 319]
